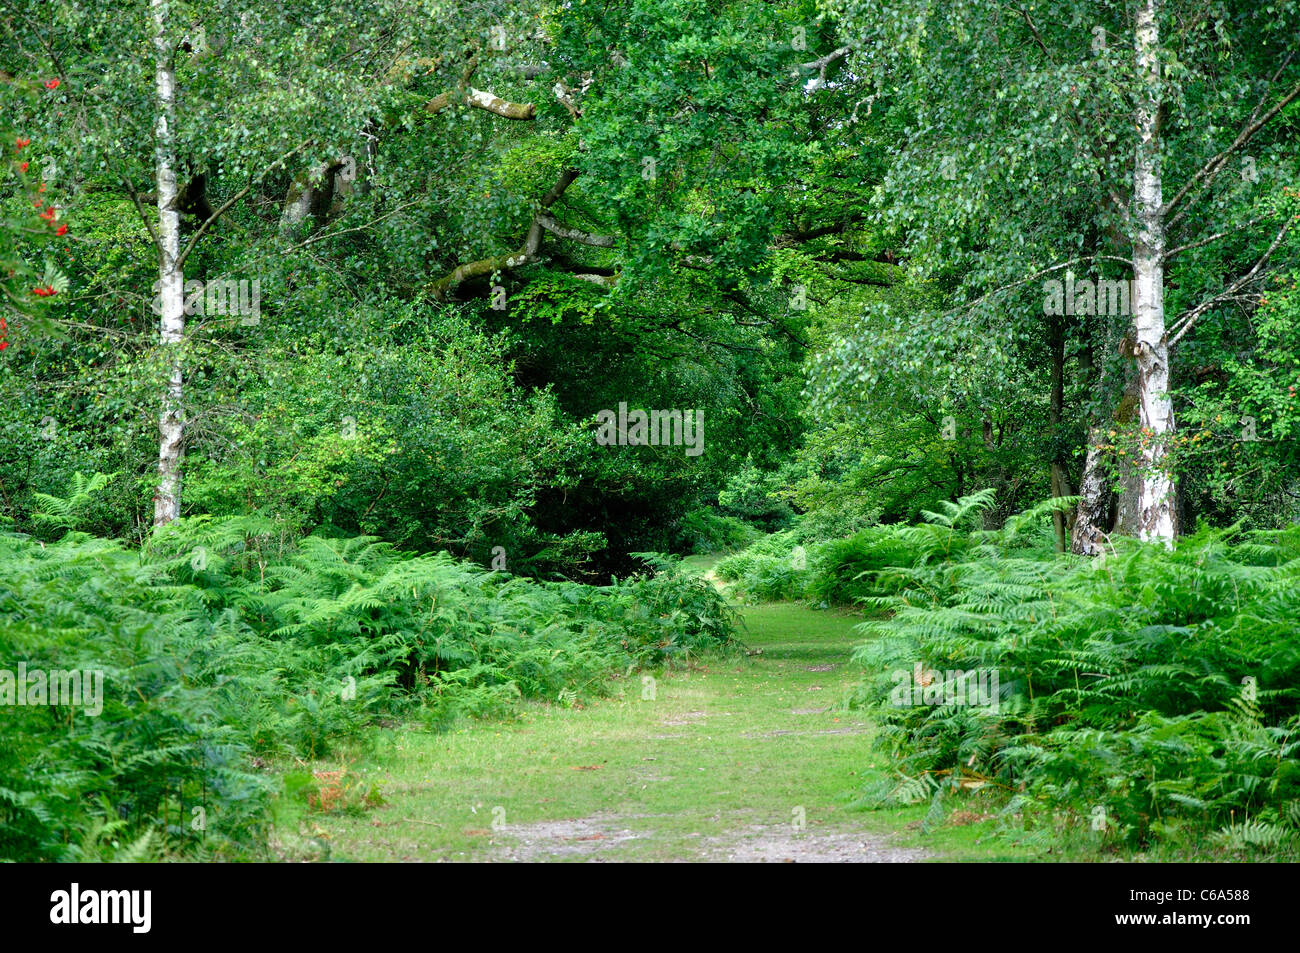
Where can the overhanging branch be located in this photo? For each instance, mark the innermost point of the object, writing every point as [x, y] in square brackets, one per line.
[1185, 321]
[1208, 172]
[574, 234]
[525, 256]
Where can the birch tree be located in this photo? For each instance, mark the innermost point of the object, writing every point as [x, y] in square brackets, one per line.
[1038, 143]
[186, 111]
[1151, 344]
[171, 280]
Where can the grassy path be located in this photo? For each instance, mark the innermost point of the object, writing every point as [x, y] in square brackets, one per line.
[722, 763]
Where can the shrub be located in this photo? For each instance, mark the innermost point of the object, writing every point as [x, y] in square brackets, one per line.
[793, 565]
[707, 531]
[172, 734]
[226, 641]
[1155, 689]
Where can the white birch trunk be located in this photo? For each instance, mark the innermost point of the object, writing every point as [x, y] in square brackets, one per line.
[1156, 413]
[167, 500]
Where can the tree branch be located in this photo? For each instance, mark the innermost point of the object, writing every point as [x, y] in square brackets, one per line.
[478, 269]
[822, 62]
[574, 234]
[492, 103]
[480, 99]
[194, 240]
[1038, 274]
[135, 197]
[525, 256]
[1213, 238]
[356, 228]
[1211, 169]
[1186, 320]
[605, 281]
[534, 240]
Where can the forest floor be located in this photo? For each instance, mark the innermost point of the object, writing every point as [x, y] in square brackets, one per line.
[751, 757]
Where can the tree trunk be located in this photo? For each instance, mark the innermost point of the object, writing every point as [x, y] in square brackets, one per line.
[1156, 414]
[1088, 538]
[1108, 501]
[1055, 411]
[1091, 517]
[167, 500]
[1128, 472]
[309, 195]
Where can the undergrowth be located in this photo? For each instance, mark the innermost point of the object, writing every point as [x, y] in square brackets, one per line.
[1146, 700]
[226, 648]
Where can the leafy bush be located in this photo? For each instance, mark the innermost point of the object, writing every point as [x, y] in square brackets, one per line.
[737, 566]
[1156, 690]
[793, 565]
[755, 496]
[774, 567]
[707, 531]
[225, 641]
[843, 568]
[457, 636]
[172, 734]
[429, 444]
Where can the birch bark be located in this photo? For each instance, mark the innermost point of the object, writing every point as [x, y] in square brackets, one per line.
[1156, 509]
[171, 427]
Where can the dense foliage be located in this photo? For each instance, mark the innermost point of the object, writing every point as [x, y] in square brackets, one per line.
[339, 307]
[224, 647]
[1143, 698]
[1153, 690]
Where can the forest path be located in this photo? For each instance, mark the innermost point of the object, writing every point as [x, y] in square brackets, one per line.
[744, 758]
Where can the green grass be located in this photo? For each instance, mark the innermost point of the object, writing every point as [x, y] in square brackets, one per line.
[724, 752]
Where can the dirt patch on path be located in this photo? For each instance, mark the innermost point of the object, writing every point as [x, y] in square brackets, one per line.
[861, 730]
[597, 838]
[583, 837]
[784, 845]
